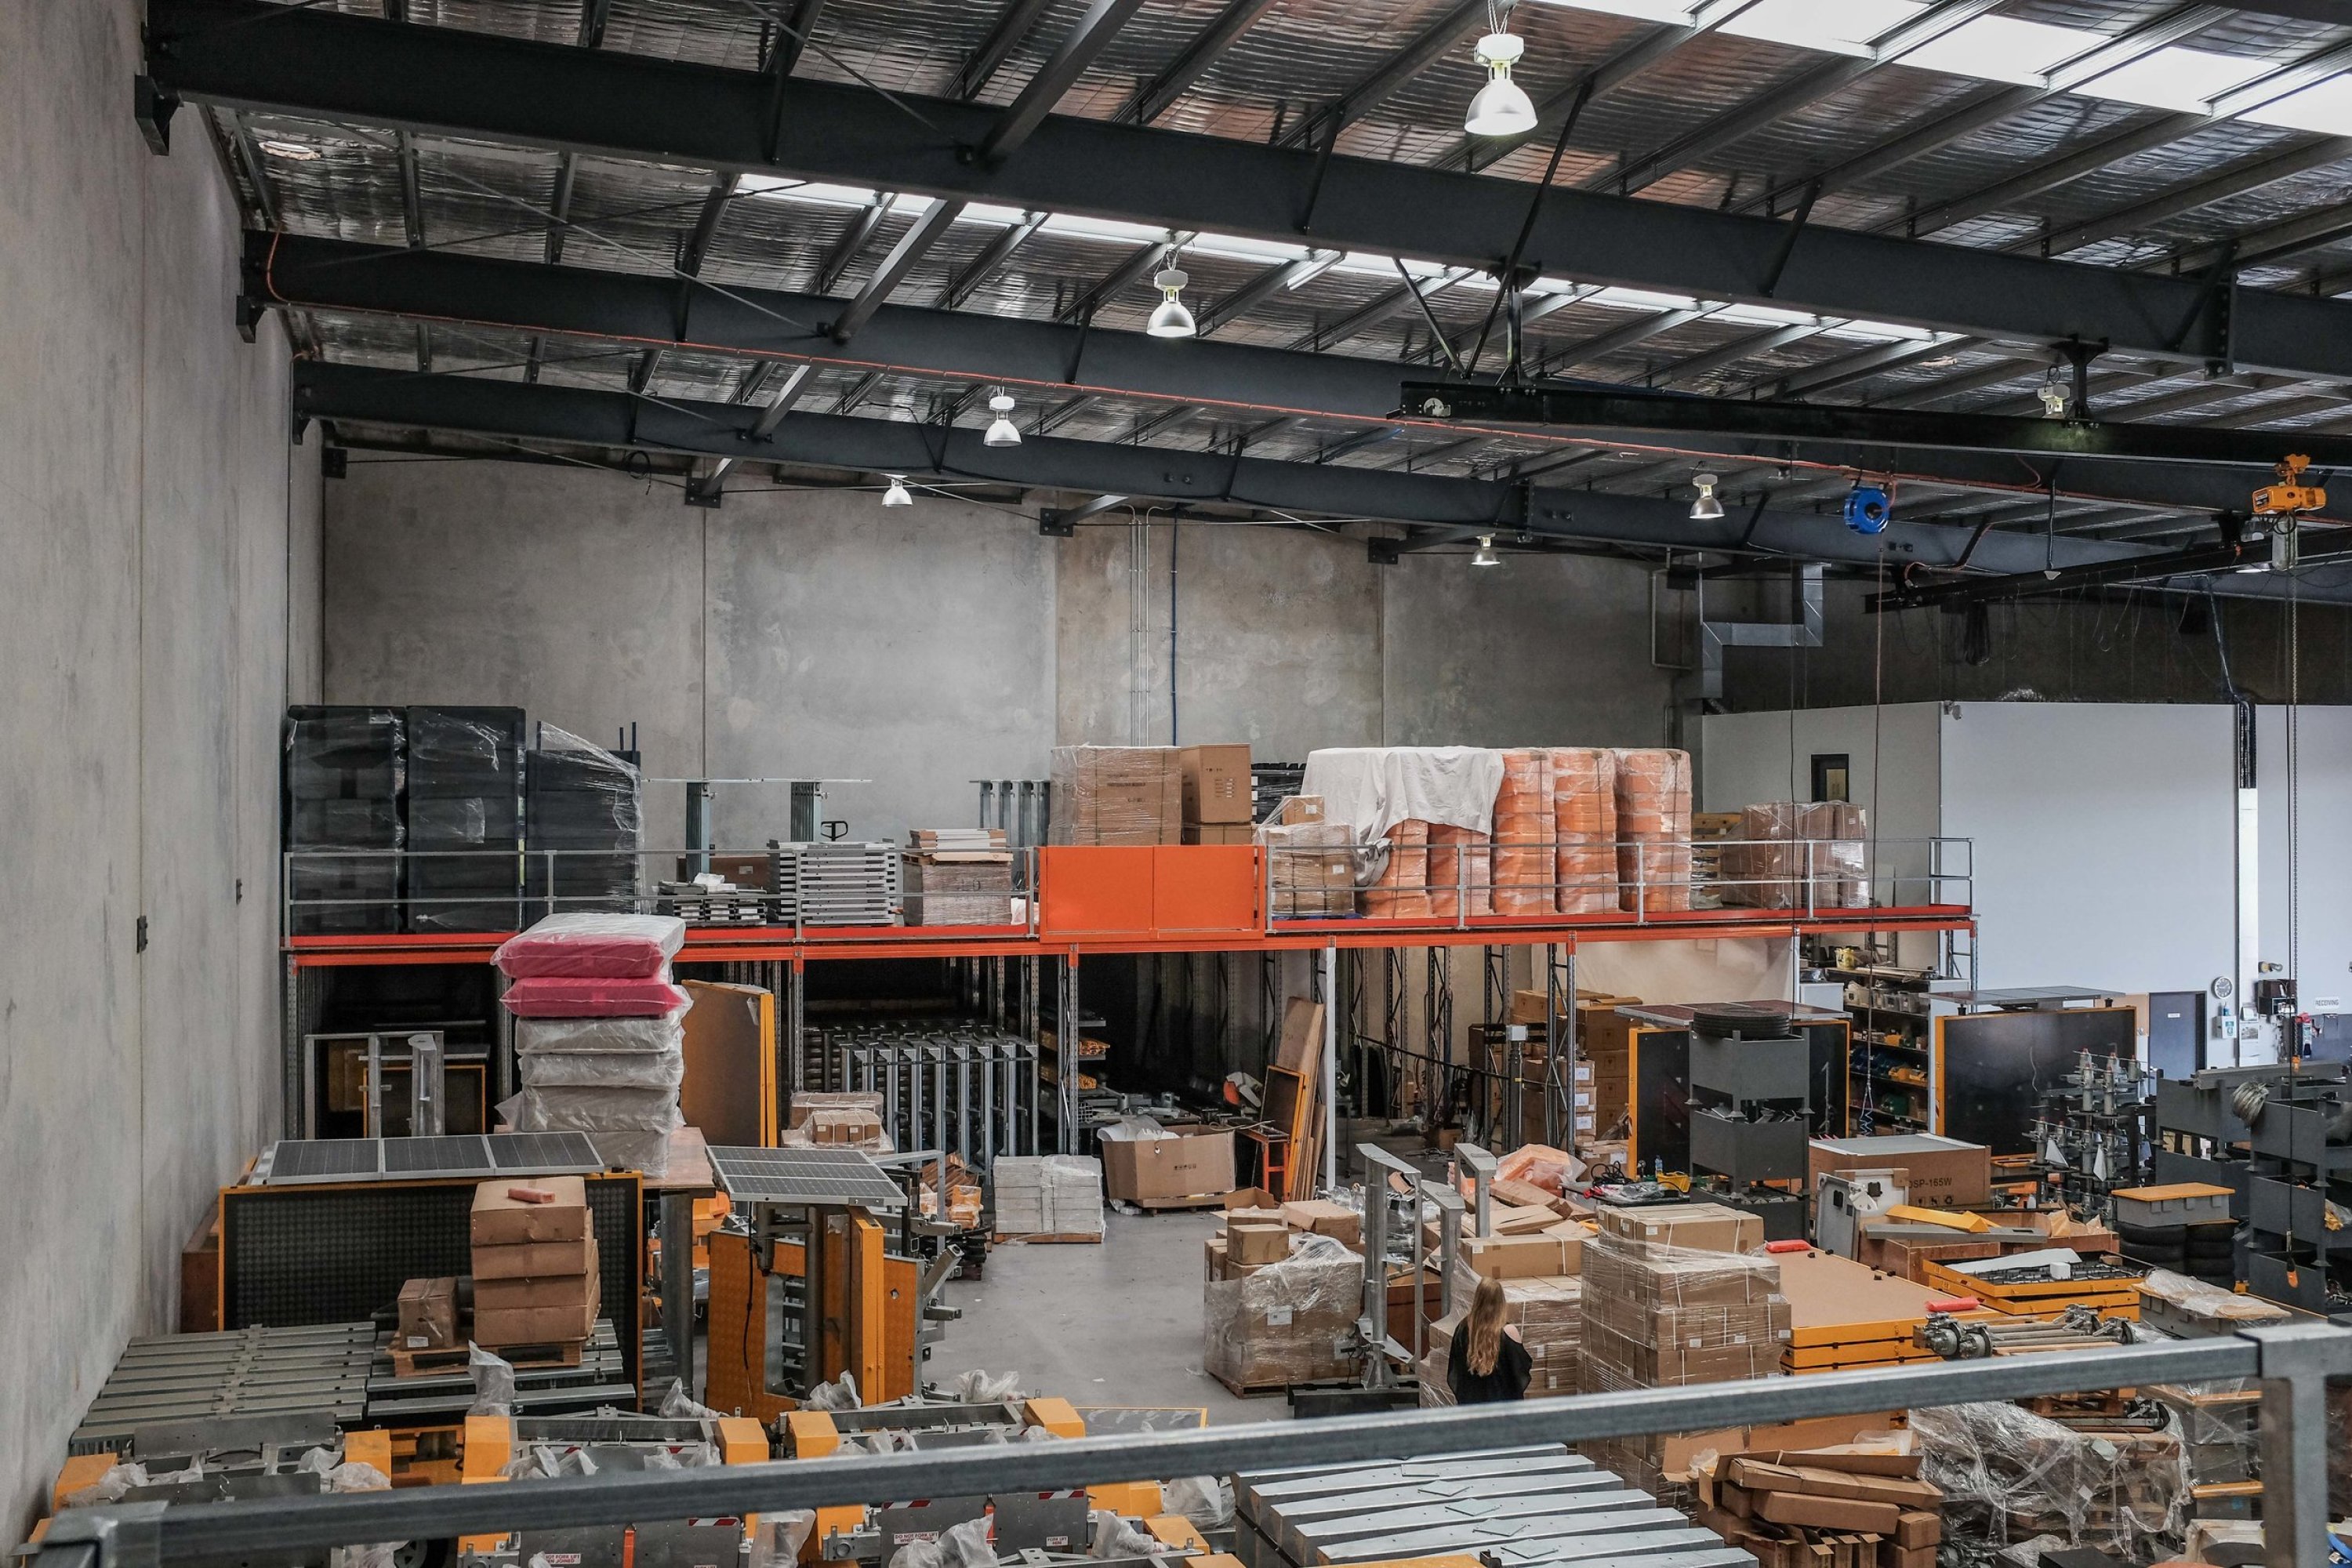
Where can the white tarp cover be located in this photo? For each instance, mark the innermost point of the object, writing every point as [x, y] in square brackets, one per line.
[1373, 788]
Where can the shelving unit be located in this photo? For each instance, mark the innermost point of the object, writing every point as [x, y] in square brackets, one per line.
[1891, 1063]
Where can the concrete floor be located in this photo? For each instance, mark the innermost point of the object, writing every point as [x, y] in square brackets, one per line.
[1118, 1324]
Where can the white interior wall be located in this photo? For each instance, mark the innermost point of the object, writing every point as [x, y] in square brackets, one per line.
[2305, 799]
[2103, 840]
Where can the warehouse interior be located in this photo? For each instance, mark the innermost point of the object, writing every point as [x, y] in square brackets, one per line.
[1478, 783]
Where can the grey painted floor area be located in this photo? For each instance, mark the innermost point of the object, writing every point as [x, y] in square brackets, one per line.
[1118, 1324]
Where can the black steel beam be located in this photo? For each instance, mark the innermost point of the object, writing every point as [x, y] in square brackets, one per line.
[2199, 560]
[1065, 361]
[321, 65]
[1662, 412]
[512, 412]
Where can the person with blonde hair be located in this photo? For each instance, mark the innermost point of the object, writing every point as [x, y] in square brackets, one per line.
[1487, 1363]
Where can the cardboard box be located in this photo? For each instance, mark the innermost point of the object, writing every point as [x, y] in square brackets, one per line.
[534, 1325]
[1829, 1513]
[1324, 1217]
[512, 1293]
[1219, 833]
[1702, 1227]
[1195, 1163]
[1257, 1243]
[842, 1128]
[499, 1220]
[1117, 795]
[1944, 1172]
[1297, 810]
[532, 1259]
[1252, 1200]
[1515, 1256]
[428, 1315]
[1216, 785]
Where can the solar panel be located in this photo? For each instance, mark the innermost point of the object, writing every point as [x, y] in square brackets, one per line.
[295, 1161]
[806, 1176]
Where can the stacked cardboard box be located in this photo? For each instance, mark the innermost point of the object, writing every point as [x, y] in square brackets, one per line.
[957, 877]
[1286, 1322]
[1217, 796]
[535, 1265]
[1661, 1316]
[842, 1118]
[1117, 794]
[1584, 818]
[1549, 1316]
[1526, 822]
[1846, 1508]
[427, 1315]
[1792, 854]
[1653, 830]
[1311, 863]
[1055, 1196]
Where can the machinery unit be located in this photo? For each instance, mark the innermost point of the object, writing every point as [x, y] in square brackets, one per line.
[1751, 1104]
[807, 1290]
[2290, 495]
[2096, 1131]
[518, 1451]
[968, 1089]
[1846, 1198]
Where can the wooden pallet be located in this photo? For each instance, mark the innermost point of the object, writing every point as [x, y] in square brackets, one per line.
[523, 1358]
[1250, 1390]
[1075, 1238]
[1197, 1201]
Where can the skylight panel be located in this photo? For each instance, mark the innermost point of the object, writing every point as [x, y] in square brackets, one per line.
[2001, 48]
[2324, 107]
[1843, 28]
[1671, 11]
[2185, 80]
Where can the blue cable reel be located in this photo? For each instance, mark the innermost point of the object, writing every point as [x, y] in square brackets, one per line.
[1867, 510]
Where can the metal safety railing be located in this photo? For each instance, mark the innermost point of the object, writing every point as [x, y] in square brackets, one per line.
[2292, 1363]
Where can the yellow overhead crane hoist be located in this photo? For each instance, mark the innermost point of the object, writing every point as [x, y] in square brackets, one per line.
[2290, 495]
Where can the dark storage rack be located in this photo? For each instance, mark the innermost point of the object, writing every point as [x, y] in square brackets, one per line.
[2284, 1173]
[1893, 1087]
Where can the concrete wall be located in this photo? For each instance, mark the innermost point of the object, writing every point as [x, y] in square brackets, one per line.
[812, 632]
[155, 527]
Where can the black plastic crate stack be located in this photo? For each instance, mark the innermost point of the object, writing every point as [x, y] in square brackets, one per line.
[585, 804]
[342, 776]
[465, 818]
[2289, 1169]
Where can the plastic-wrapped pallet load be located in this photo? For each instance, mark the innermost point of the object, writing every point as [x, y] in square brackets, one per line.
[1286, 1323]
[1461, 871]
[1117, 794]
[2012, 1478]
[1310, 869]
[583, 819]
[465, 818]
[1792, 855]
[599, 1033]
[1402, 891]
[343, 771]
[1653, 830]
[1525, 824]
[1548, 1312]
[1584, 819]
[1047, 1196]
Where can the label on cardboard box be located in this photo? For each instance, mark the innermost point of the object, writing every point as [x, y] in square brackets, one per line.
[1216, 783]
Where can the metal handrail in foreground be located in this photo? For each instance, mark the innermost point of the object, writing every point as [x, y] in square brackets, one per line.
[2292, 1362]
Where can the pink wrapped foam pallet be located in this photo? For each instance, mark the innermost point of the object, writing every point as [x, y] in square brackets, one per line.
[560, 997]
[605, 946]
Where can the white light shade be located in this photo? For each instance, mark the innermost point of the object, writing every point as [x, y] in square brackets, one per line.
[1000, 432]
[897, 494]
[1707, 509]
[1170, 319]
[1485, 556]
[1502, 106]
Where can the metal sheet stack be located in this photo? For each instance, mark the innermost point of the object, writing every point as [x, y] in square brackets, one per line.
[600, 1033]
[1516, 1507]
[958, 876]
[1049, 1197]
[843, 884]
[967, 1090]
[321, 1369]
[1653, 830]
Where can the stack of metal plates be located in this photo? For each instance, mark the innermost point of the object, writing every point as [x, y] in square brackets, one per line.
[1522, 1507]
[179, 1378]
[847, 884]
[825, 1176]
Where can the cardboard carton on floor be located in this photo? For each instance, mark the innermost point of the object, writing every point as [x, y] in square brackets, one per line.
[1944, 1172]
[428, 1315]
[502, 1218]
[1324, 1217]
[1195, 1163]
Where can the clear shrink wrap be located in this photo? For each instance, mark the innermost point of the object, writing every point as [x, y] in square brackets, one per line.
[583, 821]
[603, 1070]
[1047, 1194]
[1288, 1322]
[1657, 1316]
[588, 944]
[343, 773]
[2011, 1477]
[1584, 820]
[1461, 872]
[1402, 891]
[1653, 830]
[1117, 794]
[595, 1109]
[571, 1037]
[1310, 869]
[1526, 824]
[465, 818]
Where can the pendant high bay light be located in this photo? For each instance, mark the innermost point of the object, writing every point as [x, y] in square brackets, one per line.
[1707, 509]
[1170, 319]
[1485, 556]
[1502, 106]
[897, 494]
[1000, 432]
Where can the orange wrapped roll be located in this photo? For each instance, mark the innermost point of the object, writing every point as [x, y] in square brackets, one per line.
[1653, 830]
[1403, 891]
[1525, 833]
[1459, 859]
[1584, 815]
